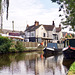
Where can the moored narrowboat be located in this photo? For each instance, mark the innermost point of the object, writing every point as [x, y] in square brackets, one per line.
[69, 48]
[53, 48]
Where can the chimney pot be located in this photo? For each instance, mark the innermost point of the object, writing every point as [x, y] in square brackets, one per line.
[27, 26]
[53, 23]
[36, 23]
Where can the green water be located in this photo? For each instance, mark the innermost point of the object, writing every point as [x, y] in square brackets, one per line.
[32, 64]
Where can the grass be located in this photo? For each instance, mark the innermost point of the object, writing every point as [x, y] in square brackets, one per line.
[72, 69]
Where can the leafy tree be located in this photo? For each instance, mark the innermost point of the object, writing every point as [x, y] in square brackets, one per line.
[5, 44]
[3, 4]
[68, 8]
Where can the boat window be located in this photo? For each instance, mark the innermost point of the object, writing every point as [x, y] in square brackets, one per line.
[52, 45]
[66, 43]
[72, 42]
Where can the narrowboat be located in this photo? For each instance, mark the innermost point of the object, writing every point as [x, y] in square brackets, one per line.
[53, 48]
[69, 48]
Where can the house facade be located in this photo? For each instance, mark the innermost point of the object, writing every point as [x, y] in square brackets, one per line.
[35, 32]
[40, 32]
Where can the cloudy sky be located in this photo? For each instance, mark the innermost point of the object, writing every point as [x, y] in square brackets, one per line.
[24, 12]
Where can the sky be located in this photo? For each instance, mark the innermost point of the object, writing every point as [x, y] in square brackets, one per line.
[24, 12]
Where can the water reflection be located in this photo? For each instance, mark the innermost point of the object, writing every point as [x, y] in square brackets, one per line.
[32, 64]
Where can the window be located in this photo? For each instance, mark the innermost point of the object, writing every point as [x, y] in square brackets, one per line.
[44, 35]
[32, 34]
[70, 29]
[55, 36]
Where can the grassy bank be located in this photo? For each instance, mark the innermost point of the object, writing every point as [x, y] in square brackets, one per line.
[72, 69]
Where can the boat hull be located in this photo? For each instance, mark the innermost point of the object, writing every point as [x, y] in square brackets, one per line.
[52, 51]
[69, 54]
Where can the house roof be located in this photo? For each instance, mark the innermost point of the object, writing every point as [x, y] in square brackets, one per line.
[58, 29]
[49, 27]
[14, 34]
[32, 28]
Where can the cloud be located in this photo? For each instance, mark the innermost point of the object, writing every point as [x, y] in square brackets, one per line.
[23, 12]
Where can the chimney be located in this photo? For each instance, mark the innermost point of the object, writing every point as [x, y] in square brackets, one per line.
[36, 23]
[59, 25]
[27, 26]
[53, 23]
[13, 25]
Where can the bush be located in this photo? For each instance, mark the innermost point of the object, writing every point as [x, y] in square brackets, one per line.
[5, 44]
[19, 46]
[13, 50]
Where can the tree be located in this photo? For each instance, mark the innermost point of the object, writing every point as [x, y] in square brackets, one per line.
[3, 4]
[68, 8]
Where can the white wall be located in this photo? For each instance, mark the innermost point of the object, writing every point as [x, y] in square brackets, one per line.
[40, 31]
[50, 34]
[59, 35]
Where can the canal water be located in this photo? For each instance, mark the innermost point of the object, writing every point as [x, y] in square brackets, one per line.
[33, 63]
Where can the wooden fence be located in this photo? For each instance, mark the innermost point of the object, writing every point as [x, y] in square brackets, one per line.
[28, 44]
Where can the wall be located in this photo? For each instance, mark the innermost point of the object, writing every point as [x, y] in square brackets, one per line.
[59, 35]
[40, 31]
[50, 34]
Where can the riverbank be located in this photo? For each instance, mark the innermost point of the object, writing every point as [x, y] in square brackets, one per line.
[21, 47]
[27, 49]
[10, 46]
[72, 69]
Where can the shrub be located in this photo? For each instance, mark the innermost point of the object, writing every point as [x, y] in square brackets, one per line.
[5, 44]
[19, 46]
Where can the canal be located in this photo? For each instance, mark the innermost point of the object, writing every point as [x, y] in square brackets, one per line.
[33, 64]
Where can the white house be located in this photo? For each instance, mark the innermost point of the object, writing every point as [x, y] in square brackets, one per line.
[39, 32]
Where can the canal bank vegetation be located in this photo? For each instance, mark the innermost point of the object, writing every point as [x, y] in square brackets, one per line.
[72, 69]
[19, 46]
[8, 45]
[5, 44]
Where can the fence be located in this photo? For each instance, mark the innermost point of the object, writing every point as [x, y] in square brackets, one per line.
[28, 44]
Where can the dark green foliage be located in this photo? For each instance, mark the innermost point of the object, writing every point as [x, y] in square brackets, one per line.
[68, 7]
[19, 46]
[5, 44]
